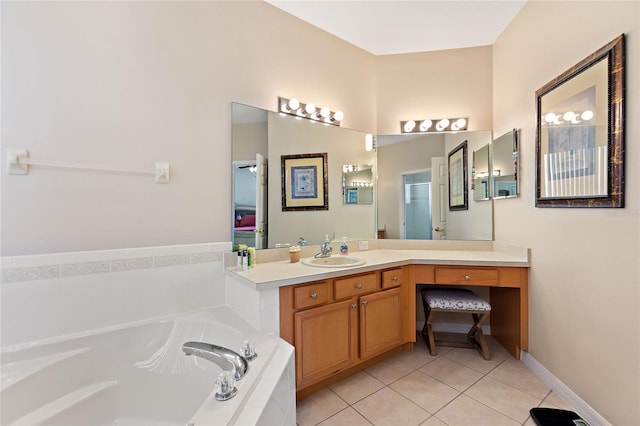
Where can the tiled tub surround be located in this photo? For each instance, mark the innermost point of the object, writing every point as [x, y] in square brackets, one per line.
[50, 300]
[46, 296]
[138, 375]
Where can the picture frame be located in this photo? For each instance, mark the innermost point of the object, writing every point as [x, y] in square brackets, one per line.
[305, 182]
[457, 167]
[580, 133]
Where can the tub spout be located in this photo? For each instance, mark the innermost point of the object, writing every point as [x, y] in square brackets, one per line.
[225, 358]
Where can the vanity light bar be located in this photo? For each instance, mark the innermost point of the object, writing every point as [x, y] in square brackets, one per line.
[434, 126]
[309, 111]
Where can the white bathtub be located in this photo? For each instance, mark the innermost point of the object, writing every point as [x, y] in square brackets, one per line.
[138, 375]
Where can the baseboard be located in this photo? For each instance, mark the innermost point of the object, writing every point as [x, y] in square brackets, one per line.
[583, 409]
[450, 327]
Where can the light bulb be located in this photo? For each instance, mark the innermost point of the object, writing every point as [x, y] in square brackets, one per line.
[425, 125]
[310, 108]
[442, 124]
[550, 117]
[324, 112]
[409, 126]
[569, 116]
[294, 104]
[368, 142]
[587, 115]
[338, 116]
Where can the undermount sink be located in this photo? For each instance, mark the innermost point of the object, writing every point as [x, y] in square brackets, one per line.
[333, 262]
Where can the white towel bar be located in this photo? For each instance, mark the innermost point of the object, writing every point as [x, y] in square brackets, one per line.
[19, 162]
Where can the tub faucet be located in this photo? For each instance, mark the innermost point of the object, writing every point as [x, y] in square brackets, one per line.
[225, 358]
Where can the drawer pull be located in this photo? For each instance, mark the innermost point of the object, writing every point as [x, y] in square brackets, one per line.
[365, 303]
[314, 296]
[467, 277]
[394, 279]
[354, 305]
[358, 286]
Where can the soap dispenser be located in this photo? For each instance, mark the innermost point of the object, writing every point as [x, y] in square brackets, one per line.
[344, 248]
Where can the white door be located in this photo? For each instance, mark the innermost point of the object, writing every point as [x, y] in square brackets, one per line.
[261, 202]
[439, 198]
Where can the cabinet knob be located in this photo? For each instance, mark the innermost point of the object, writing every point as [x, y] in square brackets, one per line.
[394, 279]
[314, 296]
[358, 286]
[467, 277]
[365, 303]
[354, 305]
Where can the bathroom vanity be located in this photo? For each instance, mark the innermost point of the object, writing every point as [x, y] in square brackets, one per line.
[342, 320]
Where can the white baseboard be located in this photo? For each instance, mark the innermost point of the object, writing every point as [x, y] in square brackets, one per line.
[579, 405]
[449, 327]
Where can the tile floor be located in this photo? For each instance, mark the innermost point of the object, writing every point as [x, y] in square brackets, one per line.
[456, 387]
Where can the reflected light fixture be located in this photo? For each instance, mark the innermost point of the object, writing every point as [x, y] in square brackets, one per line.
[369, 142]
[309, 111]
[434, 126]
[568, 118]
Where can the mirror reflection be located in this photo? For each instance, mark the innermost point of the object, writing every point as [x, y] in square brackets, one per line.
[357, 183]
[480, 174]
[412, 189]
[505, 165]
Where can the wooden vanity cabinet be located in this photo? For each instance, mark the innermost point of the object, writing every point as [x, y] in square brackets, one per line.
[361, 317]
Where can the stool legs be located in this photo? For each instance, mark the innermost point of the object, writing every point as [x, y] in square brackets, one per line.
[476, 336]
[427, 332]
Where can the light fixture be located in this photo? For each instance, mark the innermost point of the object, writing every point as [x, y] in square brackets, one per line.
[309, 111]
[567, 118]
[369, 142]
[434, 126]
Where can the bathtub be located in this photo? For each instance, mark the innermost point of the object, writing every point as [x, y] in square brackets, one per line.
[138, 375]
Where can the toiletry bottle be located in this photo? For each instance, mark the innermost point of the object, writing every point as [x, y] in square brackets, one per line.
[252, 256]
[239, 259]
[245, 259]
[344, 248]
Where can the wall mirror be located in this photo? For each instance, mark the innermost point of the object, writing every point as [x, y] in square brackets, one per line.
[357, 183]
[480, 175]
[412, 188]
[262, 138]
[505, 165]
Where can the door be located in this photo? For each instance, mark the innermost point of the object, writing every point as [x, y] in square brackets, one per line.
[416, 205]
[261, 202]
[325, 341]
[439, 197]
[380, 322]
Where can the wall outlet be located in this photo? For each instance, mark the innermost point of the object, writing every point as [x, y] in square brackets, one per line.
[363, 245]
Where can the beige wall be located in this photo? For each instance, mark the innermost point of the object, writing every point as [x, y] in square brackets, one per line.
[584, 322]
[125, 84]
[446, 83]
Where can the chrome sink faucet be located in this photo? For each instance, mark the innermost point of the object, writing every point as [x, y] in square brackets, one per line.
[225, 358]
[325, 248]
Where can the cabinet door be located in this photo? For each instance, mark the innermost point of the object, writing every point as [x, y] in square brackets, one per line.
[380, 322]
[325, 341]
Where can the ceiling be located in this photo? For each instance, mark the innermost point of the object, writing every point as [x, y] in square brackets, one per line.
[384, 27]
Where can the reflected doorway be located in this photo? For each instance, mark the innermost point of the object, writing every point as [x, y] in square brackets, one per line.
[417, 205]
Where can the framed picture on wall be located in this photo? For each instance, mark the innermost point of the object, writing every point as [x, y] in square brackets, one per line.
[457, 166]
[304, 182]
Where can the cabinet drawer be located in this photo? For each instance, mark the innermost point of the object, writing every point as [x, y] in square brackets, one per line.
[310, 295]
[392, 278]
[467, 276]
[354, 286]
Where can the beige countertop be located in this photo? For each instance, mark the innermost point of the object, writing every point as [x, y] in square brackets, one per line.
[280, 273]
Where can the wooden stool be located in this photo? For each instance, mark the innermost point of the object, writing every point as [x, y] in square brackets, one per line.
[461, 301]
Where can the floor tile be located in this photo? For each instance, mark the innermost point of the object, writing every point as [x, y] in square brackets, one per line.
[471, 358]
[318, 407]
[433, 421]
[354, 388]
[425, 391]
[451, 373]
[348, 416]
[416, 359]
[465, 411]
[389, 370]
[387, 407]
[503, 398]
[518, 375]
[554, 401]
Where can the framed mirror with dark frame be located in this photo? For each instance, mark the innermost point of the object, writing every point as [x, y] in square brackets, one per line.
[505, 159]
[580, 133]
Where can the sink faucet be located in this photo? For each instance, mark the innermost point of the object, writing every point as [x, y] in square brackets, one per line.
[225, 358]
[325, 248]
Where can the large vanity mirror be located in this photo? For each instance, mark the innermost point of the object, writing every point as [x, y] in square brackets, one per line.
[505, 165]
[407, 166]
[413, 188]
